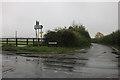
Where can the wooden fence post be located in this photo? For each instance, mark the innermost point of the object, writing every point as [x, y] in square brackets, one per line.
[38, 41]
[16, 41]
[27, 41]
[7, 40]
[33, 41]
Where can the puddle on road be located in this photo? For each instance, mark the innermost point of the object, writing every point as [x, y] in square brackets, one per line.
[64, 63]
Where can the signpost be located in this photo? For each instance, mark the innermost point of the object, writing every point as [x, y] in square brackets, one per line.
[37, 27]
[52, 43]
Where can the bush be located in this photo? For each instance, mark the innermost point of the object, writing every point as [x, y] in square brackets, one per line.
[112, 39]
[74, 36]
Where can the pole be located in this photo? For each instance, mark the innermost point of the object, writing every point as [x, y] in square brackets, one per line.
[36, 33]
[16, 37]
[41, 36]
[38, 37]
[15, 34]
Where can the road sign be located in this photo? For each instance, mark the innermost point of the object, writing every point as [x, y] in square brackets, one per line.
[52, 42]
[38, 27]
[41, 32]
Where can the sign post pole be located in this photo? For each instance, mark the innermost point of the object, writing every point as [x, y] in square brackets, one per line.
[37, 27]
[41, 35]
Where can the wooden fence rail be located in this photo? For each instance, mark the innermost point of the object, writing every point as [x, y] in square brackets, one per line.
[20, 41]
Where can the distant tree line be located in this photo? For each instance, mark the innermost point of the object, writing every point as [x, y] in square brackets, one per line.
[74, 36]
[112, 39]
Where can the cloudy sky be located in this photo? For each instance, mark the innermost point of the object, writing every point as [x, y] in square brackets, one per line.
[21, 16]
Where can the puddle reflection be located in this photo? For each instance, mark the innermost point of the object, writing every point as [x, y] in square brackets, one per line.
[49, 62]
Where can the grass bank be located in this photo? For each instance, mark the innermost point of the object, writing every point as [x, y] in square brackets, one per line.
[40, 49]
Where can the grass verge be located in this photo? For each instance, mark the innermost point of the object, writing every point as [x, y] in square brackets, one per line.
[40, 49]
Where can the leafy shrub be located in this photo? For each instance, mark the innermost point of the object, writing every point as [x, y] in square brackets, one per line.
[74, 36]
[112, 39]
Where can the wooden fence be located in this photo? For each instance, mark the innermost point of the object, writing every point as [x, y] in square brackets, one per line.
[21, 41]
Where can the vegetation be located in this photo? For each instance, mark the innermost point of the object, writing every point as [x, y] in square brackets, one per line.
[38, 49]
[112, 39]
[74, 36]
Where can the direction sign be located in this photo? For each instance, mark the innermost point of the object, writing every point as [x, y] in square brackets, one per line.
[38, 27]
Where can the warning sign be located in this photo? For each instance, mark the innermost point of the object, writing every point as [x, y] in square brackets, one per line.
[41, 32]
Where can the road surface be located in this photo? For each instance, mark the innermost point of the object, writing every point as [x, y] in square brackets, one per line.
[95, 62]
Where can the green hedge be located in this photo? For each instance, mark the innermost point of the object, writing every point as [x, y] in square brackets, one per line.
[74, 36]
[112, 39]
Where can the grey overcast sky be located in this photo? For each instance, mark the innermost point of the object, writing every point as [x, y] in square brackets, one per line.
[21, 16]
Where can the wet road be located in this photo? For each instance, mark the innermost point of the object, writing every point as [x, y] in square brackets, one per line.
[95, 62]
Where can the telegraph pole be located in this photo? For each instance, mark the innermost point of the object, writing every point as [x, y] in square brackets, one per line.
[15, 34]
